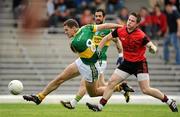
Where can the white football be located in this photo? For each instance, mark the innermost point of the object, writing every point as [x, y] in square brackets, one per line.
[15, 87]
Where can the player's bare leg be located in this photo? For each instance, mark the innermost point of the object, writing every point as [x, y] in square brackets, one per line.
[101, 80]
[146, 89]
[126, 88]
[114, 80]
[70, 72]
[94, 90]
[81, 92]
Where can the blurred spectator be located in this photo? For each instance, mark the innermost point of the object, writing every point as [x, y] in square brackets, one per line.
[146, 21]
[98, 4]
[176, 4]
[33, 17]
[72, 7]
[18, 7]
[173, 20]
[159, 22]
[82, 4]
[86, 17]
[123, 15]
[155, 2]
[114, 5]
[57, 11]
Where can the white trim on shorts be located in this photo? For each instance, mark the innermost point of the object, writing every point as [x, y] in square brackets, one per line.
[121, 73]
[142, 76]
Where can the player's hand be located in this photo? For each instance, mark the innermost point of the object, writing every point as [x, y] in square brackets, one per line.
[120, 59]
[153, 49]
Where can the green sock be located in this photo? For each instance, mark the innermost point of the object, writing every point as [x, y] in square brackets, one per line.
[78, 98]
[75, 100]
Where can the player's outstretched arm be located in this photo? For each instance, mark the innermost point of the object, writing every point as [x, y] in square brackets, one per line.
[104, 40]
[118, 45]
[108, 26]
[119, 48]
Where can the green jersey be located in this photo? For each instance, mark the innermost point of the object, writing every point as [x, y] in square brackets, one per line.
[82, 44]
[97, 39]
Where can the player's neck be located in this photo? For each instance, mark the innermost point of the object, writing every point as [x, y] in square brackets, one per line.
[76, 31]
[131, 30]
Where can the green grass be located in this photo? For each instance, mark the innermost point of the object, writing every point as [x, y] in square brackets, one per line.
[56, 110]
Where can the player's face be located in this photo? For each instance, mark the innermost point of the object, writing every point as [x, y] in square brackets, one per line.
[69, 31]
[132, 23]
[99, 18]
[169, 9]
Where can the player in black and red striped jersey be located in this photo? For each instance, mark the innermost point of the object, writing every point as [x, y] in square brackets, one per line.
[134, 42]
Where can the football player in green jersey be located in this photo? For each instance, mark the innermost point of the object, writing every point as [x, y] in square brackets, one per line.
[99, 19]
[86, 65]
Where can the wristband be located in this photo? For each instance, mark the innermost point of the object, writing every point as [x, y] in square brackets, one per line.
[120, 54]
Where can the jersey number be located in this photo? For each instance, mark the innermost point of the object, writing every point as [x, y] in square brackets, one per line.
[91, 45]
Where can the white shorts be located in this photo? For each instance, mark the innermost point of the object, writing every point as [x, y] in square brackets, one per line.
[89, 72]
[103, 66]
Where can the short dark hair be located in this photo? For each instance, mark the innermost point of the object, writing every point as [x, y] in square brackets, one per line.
[168, 3]
[137, 16]
[101, 10]
[71, 23]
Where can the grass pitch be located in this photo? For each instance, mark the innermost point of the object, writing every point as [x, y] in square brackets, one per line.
[57, 110]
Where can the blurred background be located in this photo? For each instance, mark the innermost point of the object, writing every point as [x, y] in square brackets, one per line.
[37, 61]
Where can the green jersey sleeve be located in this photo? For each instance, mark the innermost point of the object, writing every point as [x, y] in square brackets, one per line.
[92, 27]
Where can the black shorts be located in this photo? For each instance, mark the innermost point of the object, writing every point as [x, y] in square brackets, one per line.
[134, 67]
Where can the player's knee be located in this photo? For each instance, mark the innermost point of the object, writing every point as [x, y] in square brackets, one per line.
[145, 90]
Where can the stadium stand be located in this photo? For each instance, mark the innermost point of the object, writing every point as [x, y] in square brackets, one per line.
[36, 62]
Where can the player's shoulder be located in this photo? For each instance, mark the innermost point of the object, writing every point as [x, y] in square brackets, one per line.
[140, 32]
[88, 27]
[122, 29]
